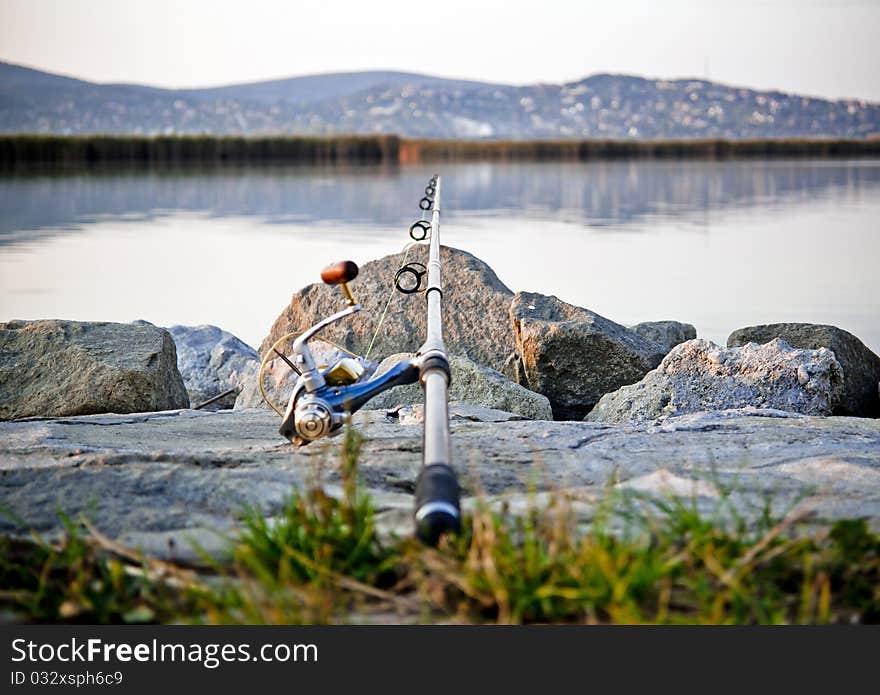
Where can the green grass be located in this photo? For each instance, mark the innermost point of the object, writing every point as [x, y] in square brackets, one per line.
[322, 559]
[76, 580]
[315, 532]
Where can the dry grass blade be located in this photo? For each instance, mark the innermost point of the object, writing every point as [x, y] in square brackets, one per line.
[748, 560]
[444, 570]
[14, 596]
[352, 584]
[158, 569]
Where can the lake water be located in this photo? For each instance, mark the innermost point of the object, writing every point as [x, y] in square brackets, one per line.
[717, 244]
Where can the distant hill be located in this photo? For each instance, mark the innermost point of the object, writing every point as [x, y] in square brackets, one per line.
[313, 88]
[413, 105]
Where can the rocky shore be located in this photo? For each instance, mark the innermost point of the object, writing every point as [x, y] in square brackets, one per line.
[97, 417]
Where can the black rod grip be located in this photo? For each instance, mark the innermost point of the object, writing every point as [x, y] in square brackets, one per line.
[437, 503]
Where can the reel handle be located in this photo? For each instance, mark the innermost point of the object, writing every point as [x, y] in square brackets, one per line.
[341, 273]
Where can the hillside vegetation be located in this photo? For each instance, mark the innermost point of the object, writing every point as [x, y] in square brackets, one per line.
[422, 106]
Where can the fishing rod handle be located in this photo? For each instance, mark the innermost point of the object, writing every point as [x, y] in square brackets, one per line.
[437, 509]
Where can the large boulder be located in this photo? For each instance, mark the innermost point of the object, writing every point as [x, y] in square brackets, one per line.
[573, 355]
[212, 361]
[701, 376]
[667, 334]
[278, 381]
[56, 368]
[861, 367]
[475, 302]
[471, 383]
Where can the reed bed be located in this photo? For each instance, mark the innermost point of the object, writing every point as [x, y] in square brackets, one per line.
[173, 151]
[20, 151]
[586, 150]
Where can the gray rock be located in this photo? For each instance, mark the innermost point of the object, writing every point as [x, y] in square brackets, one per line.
[475, 302]
[212, 361]
[187, 475]
[278, 380]
[415, 414]
[667, 334]
[701, 376]
[575, 356]
[55, 368]
[861, 367]
[471, 383]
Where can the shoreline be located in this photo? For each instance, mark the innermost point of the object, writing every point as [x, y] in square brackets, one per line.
[25, 151]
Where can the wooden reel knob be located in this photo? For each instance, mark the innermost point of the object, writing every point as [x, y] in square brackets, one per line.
[339, 273]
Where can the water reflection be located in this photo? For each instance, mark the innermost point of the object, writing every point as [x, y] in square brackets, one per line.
[602, 194]
[776, 241]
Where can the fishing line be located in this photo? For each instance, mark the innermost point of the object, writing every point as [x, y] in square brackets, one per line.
[395, 285]
[419, 231]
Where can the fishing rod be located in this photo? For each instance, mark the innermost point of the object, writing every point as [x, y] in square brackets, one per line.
[324, 398]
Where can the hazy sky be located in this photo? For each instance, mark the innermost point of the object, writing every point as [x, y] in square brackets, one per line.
[826, 48]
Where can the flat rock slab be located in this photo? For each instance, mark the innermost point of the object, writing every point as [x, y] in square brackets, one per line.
[186, 475]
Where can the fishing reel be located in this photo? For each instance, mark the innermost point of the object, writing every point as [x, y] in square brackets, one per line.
[323, 399]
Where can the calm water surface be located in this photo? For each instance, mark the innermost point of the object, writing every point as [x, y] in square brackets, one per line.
[720, 245]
